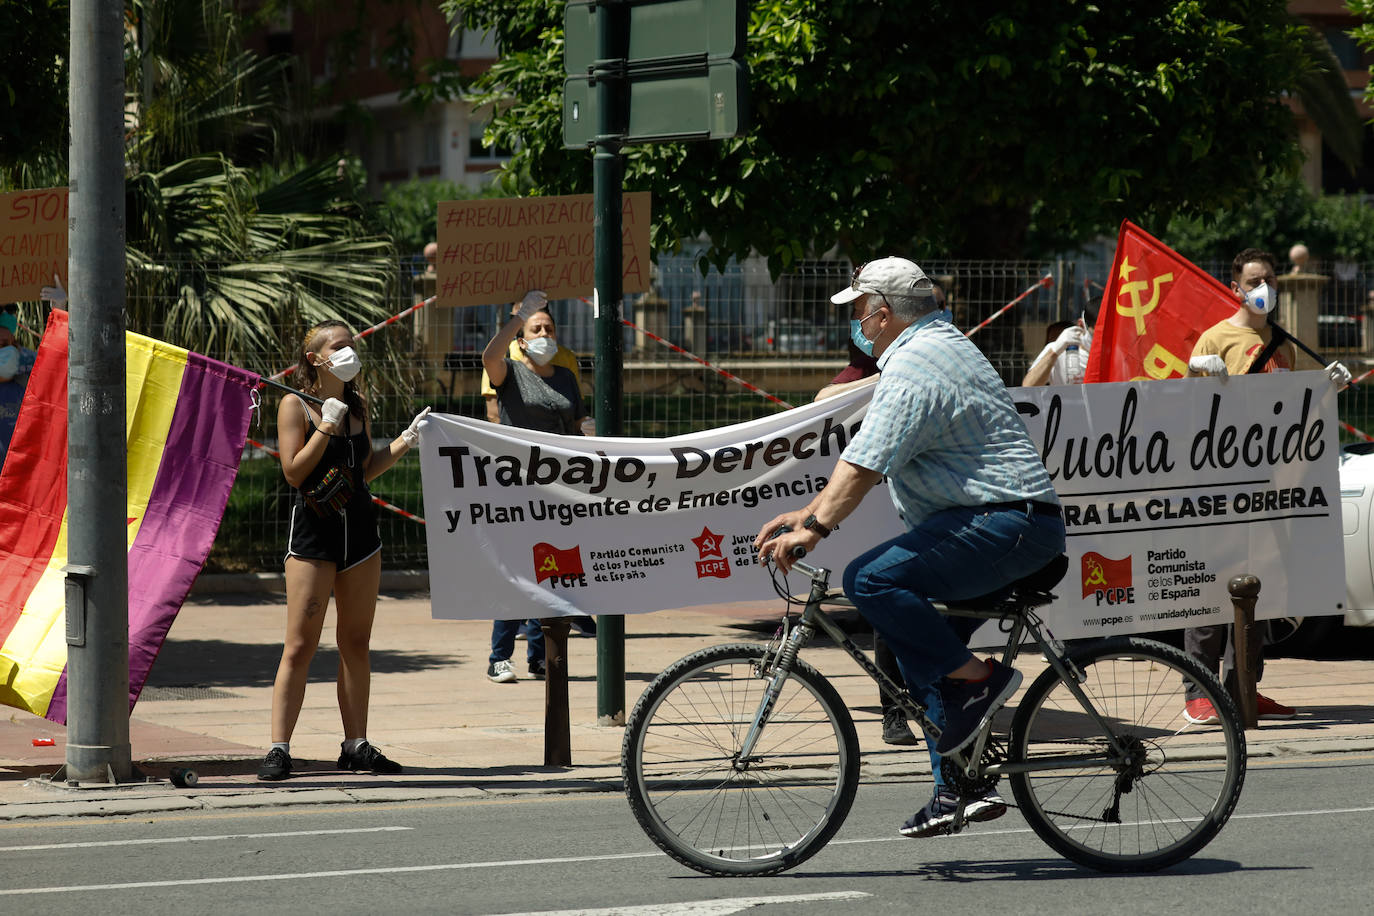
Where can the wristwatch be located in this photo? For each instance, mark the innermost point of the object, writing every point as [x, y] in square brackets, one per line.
[812, 525]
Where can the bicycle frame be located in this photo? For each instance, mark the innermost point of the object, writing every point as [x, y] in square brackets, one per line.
[1022, 620]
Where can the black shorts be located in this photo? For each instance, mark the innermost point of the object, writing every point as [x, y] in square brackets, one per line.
[345, 540]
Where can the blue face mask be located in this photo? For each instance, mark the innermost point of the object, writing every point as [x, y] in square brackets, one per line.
[856, 334]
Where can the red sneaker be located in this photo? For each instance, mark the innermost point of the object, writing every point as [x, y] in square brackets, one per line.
[1200, 712]
[1266, 708]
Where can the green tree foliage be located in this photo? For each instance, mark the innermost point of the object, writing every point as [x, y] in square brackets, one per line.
[1333, 227]
[978, 129]
[410, 209]
[33, 89]
[232, 237]
[223, 266]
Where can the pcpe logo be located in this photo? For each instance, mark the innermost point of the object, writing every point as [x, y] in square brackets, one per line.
[1107, 580]
[563, 568]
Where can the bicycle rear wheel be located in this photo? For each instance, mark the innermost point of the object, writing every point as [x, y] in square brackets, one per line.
[1173, 793]
[713, 812]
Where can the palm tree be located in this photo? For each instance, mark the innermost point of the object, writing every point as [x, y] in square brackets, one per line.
[220, 267]
[224, 258]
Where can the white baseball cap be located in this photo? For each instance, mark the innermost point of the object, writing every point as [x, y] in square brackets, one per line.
[886, 276]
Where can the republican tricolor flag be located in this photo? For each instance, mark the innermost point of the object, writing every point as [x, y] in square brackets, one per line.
[186, 421]
[1156, 305]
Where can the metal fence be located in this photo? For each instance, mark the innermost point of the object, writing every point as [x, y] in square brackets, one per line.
[760, 346]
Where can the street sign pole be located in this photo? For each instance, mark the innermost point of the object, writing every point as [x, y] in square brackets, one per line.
[607, 166]
[640, 71]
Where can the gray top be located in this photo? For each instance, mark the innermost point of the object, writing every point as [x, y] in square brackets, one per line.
[551, 405]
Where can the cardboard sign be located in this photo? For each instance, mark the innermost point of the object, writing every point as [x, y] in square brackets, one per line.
[33, 242]
[494, 251]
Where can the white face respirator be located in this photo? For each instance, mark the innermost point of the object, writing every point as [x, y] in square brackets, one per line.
[541, 350]
[1262, 300]
[344, 364]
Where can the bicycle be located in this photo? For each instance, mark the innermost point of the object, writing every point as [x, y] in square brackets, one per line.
[742, 759]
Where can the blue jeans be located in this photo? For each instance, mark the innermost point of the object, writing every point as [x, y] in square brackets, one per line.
[503, 639]
[955, 554]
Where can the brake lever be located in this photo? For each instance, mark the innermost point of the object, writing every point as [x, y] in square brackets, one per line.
[796, 552]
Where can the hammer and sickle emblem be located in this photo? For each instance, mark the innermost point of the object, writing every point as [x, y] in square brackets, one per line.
[549, 565]
[1095, 574]
[1138, 309]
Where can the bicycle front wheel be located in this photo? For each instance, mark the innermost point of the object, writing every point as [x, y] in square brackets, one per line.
[1160, 802]
[720, 814]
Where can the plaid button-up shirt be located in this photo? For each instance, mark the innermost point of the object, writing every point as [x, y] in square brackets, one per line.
[943, 429]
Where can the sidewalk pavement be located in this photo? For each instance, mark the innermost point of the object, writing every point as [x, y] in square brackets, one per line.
[207, 707]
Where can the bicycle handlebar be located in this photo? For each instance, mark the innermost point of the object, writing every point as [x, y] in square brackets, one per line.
[797, 553]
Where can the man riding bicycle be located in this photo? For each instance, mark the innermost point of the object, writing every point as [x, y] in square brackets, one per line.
[967, 481]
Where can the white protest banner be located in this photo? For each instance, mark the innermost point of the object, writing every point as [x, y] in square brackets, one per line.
[1171, 488]
[529, 524]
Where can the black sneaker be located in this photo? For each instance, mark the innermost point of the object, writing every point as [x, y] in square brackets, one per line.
[538, 669]
[938, 815]
[367, 757]
[969, 704]
[276, 765]
[895, 729]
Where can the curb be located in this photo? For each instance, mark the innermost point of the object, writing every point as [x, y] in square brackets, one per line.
[160, 797]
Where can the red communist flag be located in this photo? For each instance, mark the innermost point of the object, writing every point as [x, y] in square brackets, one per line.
[551, 563]
[1156, 305]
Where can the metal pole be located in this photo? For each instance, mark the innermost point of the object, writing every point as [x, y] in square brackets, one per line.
[612, 42]
[98, 572]
[557, 726]
[1245, 645]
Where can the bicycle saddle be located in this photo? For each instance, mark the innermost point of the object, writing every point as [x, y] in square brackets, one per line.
[1033, 589]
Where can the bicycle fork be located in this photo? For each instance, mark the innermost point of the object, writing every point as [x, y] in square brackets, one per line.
[792, 643]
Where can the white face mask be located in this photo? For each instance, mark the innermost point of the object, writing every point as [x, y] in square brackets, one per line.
[1262, 300]
[344, 364]
[541, 350]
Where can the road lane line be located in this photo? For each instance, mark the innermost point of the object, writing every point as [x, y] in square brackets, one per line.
[198, 839]
[340, 873]
[724, 907]
[515, 863]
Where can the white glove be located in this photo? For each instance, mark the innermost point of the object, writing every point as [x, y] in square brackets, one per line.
[1211, 364]
[411, 434]
[1069, 337]
[1340, 376]
[334, 411]
[534, 300]
[54, 294]
[588, 426]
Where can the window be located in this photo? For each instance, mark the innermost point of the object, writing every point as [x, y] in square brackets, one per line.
[430, 149]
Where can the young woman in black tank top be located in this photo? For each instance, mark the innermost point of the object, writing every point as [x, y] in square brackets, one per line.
[327, 455]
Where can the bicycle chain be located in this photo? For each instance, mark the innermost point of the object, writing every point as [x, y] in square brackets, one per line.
[969, 788]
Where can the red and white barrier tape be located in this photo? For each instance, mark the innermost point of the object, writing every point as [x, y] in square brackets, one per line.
[376, 327]
[1046, 282]
[1357, 432]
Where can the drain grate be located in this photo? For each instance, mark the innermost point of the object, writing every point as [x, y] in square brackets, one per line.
[157, 694]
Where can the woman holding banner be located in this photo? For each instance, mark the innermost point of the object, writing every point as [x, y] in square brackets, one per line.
[333, 543]
[532, 393]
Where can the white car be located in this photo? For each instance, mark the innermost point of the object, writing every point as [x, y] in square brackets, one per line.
[1357, 529]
